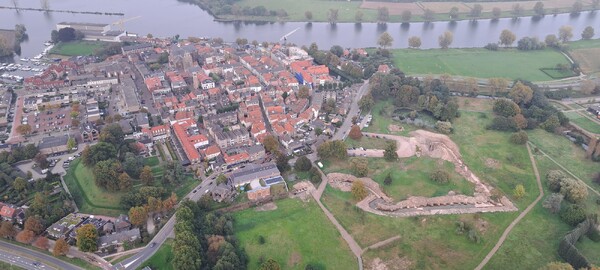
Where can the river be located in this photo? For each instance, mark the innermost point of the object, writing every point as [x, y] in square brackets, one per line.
[169, 17]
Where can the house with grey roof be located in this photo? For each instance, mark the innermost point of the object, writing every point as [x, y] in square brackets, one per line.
[253, 172]
[117, 239]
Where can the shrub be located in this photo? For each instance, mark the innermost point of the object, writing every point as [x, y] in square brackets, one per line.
[519, 191]
[261, 240]
[519, 137]
[359, 191]
[440, 176]
[553, 202]
[573, 214]
[502, 123]
[388, 180]
[492, 46]
[575, 191]
[444, 127]
[554, 178]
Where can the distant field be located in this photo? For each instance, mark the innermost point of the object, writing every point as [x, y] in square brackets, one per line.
[77, 47]
[296, 234]
[583, 122]
[479, 63]
[587, 54]
[297, 8]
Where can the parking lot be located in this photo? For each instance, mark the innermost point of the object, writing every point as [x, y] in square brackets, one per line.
[49, 120]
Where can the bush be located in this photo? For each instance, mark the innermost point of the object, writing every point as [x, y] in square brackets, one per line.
[359, 191]
[519, 137]
[554, 178]
[261, 240]
[444, 127]
[502, 123]
[575, 191]
[573, 214]
[388, 180]
[492, 46]
[440, 176]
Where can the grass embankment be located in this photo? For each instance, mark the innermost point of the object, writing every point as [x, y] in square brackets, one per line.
[479, 63]
[7, 266]
[162, 258]
[92, 199]
[296, 234]
[583, 122]
[432, 241]
[79, 47]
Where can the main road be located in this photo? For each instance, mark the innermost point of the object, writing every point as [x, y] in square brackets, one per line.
[135, 261]
[31, 259]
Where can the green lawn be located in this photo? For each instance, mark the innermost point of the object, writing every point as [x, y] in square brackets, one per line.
[479, 63]
[7, 266]
[89, 197]
[412, 178]
[382, 118]
[296, 234]
[162, 258]
[151, 161]
[74, 48]
[368, 143]
[584, 44]
[583, 122]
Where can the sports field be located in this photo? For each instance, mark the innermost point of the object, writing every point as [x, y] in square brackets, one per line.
[80, 47]
[479, 63]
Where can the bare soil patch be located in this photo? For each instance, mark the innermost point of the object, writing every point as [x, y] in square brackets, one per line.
[395, 128]
[266, 207]
[294, 259]
[588, 59]
[393, 264]
[492, 163]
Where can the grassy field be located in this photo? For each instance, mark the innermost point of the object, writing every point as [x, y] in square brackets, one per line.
[583, 122]
[89, 197]
[587, 54]
[479, 63]
[73, 48]
[296, 233]
[382, 118]
[162, 258]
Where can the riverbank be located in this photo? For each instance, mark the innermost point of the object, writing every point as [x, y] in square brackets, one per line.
[367, 12]
[64, 11]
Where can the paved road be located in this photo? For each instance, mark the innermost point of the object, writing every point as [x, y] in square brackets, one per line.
[167, 230]
[521, 216]
[10, 254]
[342, 132]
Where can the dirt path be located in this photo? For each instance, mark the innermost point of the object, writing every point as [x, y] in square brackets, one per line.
[381, 243]
[565, 169]
[521, 216]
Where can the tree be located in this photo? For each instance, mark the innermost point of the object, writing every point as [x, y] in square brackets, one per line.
[358, 190]
[358, 16]
[106, 174]
[355, 133]
[497, 85]
[7, 230]
[517, 10]
[19, 184]
[538, 8]
[428, 15]
[146, 176]
[551, 123]
[557, 266]
[124, 182]
[54, 37]
[445, 40]
[519, 192]
[506, 107]
[34, 224]
[565, 33]
[308, 15]
[552, 41]
[588, 33]
[60, 247]
[383, 14]
[390, 153]
[444, 127]
[440, 176]
[553, 202]
[385, 40]
[66, 34]
[521, 93]
[507, 37]
[476, 10]
[332, 149]
[271, 144]
[496, 12]
[270, 264]
[303, 92]
[454, 13]
[87, 238]
[282, 162]
[24, 129]
[138, 215]
[98, 152]
[519, 137]
[366, 102]
[41, 243]
[337, 50]
[520, 121]
[112, 134]
[359, 166]
[573, 214]
[133, 164]
[406, 16]
[221, 179]
[303, 164]
[414, 42]
[577, 7]
[25, 236]
[332, 15]
[574, 191]
[71, 143]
